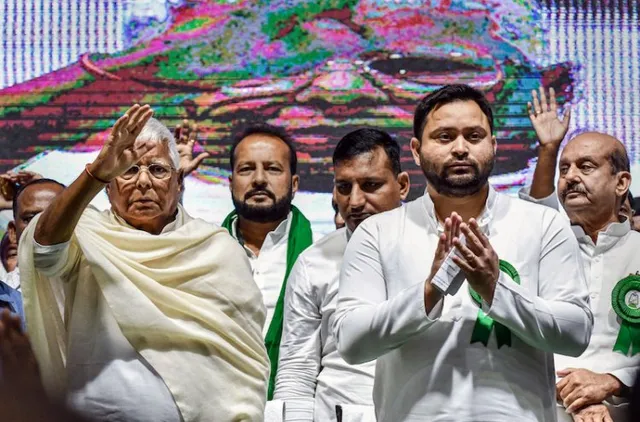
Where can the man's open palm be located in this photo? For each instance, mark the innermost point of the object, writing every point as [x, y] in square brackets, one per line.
[545, 118]
[186, 135]
[121, 151]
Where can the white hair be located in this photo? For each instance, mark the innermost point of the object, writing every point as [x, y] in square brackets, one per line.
[155, 131]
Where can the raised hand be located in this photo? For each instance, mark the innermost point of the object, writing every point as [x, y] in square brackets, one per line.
[186, 135]
[445, 244]
[121, 151]
[546, 119]
[10, 182]
[478, 260]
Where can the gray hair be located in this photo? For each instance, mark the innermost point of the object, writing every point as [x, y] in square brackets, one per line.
[155, 131]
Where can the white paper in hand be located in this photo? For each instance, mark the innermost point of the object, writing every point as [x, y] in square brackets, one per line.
[449, 276]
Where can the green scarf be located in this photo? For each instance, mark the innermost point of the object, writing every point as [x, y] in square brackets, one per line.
[300, 238]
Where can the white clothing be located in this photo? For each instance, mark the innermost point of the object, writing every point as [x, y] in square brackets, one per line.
[13, 279]
[270, 265]
[615, 256]
[138, 327]
[3, 273]
[427, 368]
[312, 377]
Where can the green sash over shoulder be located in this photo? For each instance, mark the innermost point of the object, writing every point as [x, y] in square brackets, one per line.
[299, 238]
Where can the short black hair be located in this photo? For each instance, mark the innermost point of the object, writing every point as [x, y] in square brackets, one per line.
[445, 95]
[334, 205]
[366, 140]
[619, 160]
[266, 129]
[31, 183]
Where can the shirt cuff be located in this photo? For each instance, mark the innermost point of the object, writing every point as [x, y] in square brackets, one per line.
[418, 312]
[550, 201]
[298, 409]
[502, 294]
[627, 376]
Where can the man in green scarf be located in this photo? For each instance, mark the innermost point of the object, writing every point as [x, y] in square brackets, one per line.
[272, 231]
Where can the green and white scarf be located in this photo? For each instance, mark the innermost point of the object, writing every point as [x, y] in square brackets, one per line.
[300, 238]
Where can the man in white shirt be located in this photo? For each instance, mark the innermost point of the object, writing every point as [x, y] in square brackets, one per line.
[312, 377]
[272, 231]
[593, 183]
[141, 313]
[30, 200]
[438, 357]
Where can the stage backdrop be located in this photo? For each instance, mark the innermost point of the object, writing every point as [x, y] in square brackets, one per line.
[319, 69]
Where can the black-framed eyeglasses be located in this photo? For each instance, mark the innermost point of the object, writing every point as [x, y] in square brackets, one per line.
[157, 171]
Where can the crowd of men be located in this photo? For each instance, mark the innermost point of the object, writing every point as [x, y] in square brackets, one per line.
[143, 313]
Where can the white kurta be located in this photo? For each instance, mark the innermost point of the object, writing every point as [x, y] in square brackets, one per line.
[614, 256]
[270, 265]
[312, 377]
[13, 279]
[427, 370]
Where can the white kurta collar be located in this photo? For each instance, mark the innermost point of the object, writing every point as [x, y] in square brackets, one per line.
[276, 235]
[607, 238]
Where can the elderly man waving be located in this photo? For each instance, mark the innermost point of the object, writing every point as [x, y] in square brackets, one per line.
[142, 313]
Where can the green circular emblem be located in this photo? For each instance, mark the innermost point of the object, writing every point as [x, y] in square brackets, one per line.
[625, 299]
[509, 270]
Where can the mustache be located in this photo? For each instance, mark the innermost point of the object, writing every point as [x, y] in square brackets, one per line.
[573, 189]
[261, 191]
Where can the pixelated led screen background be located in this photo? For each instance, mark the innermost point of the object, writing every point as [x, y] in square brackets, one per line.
[69, 68]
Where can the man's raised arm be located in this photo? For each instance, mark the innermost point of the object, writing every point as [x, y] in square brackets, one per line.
[550, 131]
[119, 153]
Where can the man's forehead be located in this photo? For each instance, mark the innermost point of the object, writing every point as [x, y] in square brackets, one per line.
[371, 163]
[39, 190]
[586, 147]
[37, 198]
[457, 114]
[259, 146]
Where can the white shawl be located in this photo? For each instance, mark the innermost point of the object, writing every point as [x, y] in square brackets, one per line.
[185, 300]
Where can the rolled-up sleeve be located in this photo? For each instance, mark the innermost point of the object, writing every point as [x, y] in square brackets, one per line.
[367, 322]
[558, 319]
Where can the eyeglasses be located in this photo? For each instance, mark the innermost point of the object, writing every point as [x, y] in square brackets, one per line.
[157, 171]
